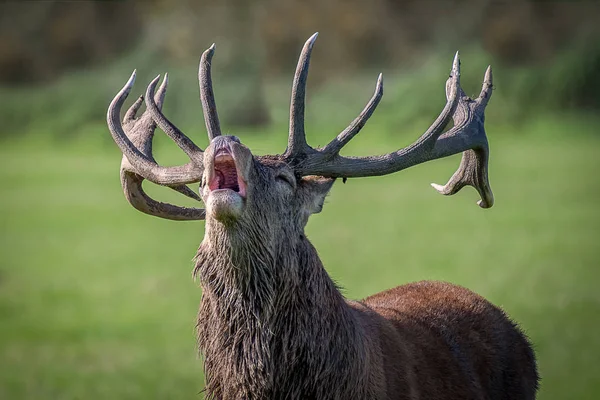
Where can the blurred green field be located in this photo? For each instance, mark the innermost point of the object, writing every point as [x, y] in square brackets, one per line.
[97, 300]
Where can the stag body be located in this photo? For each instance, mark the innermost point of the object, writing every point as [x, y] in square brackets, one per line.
[280, 329]
[272, 324]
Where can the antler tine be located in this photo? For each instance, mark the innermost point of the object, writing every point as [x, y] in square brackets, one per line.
[207, 96]
[160, 95]
[347, 134]
[143, 165]
[473, 169]
[132, 111]
[486, 88]
[297, 137]
[189, 147]
[159, 98]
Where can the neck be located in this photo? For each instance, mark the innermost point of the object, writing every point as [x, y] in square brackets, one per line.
[262, 318]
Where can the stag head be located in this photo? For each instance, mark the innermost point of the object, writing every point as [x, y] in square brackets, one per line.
[275, 194]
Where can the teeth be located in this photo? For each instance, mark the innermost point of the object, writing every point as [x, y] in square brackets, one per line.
[223, 157]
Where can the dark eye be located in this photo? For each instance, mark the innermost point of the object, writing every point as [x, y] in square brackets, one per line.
[290, 180]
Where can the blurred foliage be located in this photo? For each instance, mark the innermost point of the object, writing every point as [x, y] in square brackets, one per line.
[545, 53]
[40, 40]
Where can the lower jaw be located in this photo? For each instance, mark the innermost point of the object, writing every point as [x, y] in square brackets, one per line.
[224, 205]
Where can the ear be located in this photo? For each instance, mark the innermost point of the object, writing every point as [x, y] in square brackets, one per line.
[315, 189]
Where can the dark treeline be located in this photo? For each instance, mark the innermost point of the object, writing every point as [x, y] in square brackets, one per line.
[39, 40]
[546, 53]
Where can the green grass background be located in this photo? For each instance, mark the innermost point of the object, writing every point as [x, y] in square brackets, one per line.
[97, 300]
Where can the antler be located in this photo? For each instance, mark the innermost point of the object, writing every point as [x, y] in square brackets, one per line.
[467, 136]
[134, 138]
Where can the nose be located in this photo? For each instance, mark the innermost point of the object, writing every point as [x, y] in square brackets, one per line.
[220, 142]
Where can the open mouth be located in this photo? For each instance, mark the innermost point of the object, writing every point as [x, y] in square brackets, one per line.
[226, 175]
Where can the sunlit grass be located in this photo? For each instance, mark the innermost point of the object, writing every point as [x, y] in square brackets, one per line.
[97, 299]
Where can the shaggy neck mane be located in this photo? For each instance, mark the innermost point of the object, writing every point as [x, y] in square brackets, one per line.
[272, 322]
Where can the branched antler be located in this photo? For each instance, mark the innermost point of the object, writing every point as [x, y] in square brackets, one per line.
[134, 137]
[467, 136]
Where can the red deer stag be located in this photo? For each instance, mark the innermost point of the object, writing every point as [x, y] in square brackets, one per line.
[272, 324]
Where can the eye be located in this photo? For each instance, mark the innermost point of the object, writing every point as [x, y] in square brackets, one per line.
[287, 178]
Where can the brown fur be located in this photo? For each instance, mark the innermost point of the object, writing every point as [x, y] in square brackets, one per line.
[445, 342]
[273, 325]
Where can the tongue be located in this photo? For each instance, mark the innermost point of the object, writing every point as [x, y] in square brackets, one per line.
[226, 178]
[220, 179]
